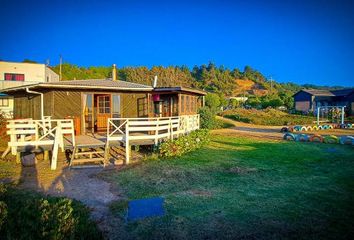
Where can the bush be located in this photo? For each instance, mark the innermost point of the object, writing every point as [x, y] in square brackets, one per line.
[30, 216]
[184, 144]
[207, 118]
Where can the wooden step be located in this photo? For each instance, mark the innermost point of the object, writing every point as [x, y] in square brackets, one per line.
[83, 160]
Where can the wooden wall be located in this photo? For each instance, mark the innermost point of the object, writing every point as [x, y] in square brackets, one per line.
[134, 104]
[66, 103]
[29, 105]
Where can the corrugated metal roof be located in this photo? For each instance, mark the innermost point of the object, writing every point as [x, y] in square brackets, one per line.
[99, 83]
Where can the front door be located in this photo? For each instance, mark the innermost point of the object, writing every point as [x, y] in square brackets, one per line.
[103, 111]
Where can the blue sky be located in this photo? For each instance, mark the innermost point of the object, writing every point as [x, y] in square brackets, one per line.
[298, 41]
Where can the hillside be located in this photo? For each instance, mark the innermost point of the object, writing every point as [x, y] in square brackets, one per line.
[211, 78]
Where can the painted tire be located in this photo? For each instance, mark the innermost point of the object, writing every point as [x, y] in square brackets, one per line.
[316, 138]
[284, 129]
[290, 129]
[349, 125]
[297, 128]
[302, 138]
[289, 136]
[346, 140]
[325, 127]
[330, 139]
[315, 128]
[343, 126]
[319, 127]
[303, 128]
[330, 126]
[309, 128]
[336, 125]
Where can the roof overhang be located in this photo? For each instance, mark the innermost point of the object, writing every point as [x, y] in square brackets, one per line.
[179, 89]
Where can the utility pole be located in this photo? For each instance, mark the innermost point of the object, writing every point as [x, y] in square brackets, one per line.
[60, 63]
[271, 84]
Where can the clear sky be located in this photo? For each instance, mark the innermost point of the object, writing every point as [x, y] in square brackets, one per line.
[308, 41]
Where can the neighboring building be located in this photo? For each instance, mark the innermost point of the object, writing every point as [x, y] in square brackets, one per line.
[239, 99]
[308, 100]
[13, 74]
[92, 102]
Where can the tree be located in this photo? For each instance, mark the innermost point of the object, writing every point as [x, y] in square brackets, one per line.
[212, 101]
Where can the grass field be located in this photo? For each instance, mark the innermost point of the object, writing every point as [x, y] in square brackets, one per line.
[244, 188]
[270, 117]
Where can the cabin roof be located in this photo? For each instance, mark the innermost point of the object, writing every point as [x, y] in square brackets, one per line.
[179, 89]
[328, 93]
[316, 92]
[87, 84]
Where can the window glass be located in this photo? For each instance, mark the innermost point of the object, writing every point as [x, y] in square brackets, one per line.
[4, 102]
[14, 77]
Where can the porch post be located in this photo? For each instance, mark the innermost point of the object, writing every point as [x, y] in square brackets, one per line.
[342, 121]
[127, 146]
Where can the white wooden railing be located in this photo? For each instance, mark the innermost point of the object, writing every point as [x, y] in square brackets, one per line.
[127, 130]
[122, 129]
[36, 133]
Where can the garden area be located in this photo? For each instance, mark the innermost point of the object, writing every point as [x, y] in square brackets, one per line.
[221, 184]
[239, 187]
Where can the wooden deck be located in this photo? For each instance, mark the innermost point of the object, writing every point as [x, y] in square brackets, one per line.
[54, 134]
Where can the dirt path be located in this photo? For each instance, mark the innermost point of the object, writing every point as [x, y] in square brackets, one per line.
[79, 184]
[251, 130]
[271, 132]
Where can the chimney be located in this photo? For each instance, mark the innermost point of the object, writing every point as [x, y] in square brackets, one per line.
[114, 73]
[154, 85]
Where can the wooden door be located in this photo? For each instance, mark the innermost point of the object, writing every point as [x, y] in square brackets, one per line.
[103, 111]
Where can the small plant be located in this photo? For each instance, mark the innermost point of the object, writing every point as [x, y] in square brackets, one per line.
[43, 217]
[184, 144]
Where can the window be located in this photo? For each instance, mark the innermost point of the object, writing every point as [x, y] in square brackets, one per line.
[104, 104]
[183, 106]
[4, 102]
[14, 77]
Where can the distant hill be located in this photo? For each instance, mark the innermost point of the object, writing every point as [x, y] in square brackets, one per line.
[212, 78]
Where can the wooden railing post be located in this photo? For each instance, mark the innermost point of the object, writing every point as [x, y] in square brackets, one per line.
[127, 146]
[157, 132]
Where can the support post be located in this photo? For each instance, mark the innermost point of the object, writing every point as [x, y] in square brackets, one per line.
[342, 119]
[127, 146]
[53, 164]
[46, 155]
[18, 157]
[318, 116]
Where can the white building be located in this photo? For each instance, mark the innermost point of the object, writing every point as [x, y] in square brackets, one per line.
[13, 74]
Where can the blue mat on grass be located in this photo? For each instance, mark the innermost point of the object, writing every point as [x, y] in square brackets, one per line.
[143, 208]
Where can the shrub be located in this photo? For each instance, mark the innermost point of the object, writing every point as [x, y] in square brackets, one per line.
[207, 118]
[184, 144]
[31, 216]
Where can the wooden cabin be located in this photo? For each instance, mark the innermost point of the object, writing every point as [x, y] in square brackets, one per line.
[91, 102]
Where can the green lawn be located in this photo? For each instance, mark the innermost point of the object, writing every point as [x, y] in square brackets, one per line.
[244, 188]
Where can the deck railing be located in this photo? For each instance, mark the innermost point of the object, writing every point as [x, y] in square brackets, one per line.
[122, 129]
[128, 130]
[34, 133]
